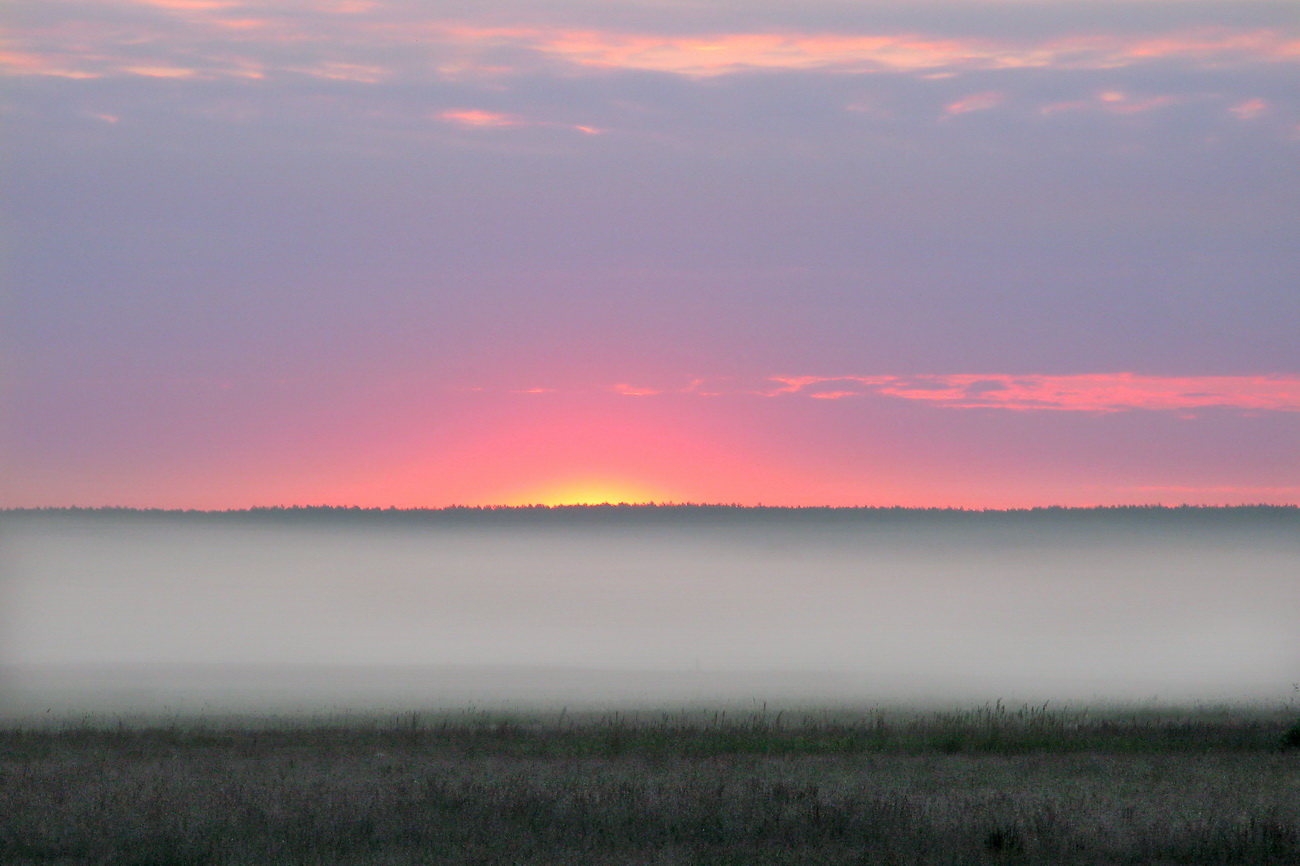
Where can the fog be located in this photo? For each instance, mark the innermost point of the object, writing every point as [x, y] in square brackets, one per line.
[205, 615]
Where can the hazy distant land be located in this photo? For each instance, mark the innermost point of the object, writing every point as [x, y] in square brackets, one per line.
[1256, 516]
[650, 684]
[319, 608]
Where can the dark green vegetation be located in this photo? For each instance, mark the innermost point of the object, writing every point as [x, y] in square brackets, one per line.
[984, 786]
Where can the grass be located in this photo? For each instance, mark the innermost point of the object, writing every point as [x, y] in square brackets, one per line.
[988, 785]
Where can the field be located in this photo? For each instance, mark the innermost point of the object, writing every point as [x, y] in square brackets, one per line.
[852, 623]
[988, 785]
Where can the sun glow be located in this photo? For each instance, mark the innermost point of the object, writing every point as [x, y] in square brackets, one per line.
[588, 492]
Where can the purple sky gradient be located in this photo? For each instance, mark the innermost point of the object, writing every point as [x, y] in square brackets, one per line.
[277, 252]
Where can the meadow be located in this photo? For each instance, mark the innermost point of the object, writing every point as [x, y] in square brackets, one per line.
[168, 685]
[984, 785]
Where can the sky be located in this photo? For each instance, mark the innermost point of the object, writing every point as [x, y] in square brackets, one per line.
[962, 254]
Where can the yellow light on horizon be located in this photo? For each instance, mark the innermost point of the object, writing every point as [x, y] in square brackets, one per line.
[588, 492]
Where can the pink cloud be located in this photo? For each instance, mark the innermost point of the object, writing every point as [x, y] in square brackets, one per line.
[33, 63]
[160, 71]
[334, 71]
[1249, 110]
[476, 118]
[1089, 392]
[701, 388]
[348, 7]
[974, 102]
[632, 391]
[473, 118]
[1121, 103]
[242, 23]
[1114, 102]
[1103, 392]
[188, 5]
[726, 52]
[721, 53]
[1211, 42]
[464, 47]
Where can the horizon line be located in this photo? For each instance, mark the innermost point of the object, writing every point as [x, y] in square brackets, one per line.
[734, 506]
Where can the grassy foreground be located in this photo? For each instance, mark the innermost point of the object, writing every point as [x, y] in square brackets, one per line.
[983, 786]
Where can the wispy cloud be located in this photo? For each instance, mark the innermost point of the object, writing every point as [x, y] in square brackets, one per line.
[204, 31]
[1249, 109]
[731, 52]
[1114, 102]
[43, 63]
[722, 53]
[1100, 392]
[477, 118]
[1092, 392]
[634, 391]
[974, 102]
[365, 73]
[160, 71]
[188, 5]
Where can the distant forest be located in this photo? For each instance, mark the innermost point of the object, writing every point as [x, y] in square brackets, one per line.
[1278, 516]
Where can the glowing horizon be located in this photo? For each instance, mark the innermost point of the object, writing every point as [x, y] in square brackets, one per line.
[625, 443]
[586, 491]
[819, 253]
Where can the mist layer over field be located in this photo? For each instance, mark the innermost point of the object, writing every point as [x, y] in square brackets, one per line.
[205, 613]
